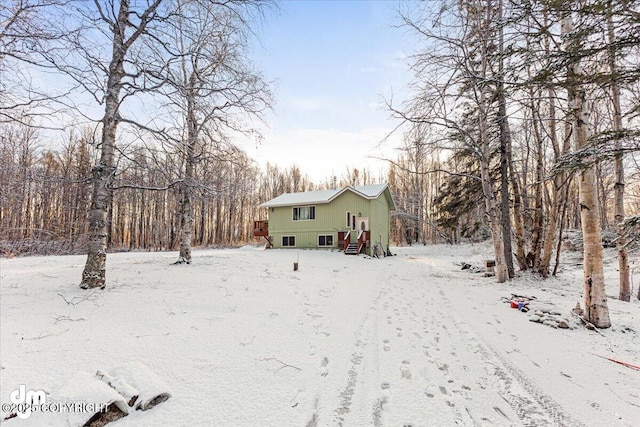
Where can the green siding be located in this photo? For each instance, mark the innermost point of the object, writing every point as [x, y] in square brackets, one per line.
[331, 218]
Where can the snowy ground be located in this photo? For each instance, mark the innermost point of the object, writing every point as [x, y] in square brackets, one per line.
[243, 340]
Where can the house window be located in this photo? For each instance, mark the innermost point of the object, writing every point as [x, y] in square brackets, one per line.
[348, 220]
[326, 240]
[288, 241]
[304, 213]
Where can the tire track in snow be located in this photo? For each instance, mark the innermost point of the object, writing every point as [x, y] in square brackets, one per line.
[448, 375]
[527, 409]
[357, 395]
[530, 404]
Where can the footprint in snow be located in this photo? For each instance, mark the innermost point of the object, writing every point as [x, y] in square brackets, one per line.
[430, 392]
[297, 398]
[442, 366]
[404, 370]
[324, 371]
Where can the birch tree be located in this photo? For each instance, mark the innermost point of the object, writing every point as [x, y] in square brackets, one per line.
[23, 30]
[595, 297]
[454, 91]
[212, 83]
[623, 261]
[108, 76]
[126, 26]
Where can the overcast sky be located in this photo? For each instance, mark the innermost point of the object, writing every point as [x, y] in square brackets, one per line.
[332, 62]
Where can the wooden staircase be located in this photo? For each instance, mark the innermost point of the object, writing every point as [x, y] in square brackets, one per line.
[352, 249]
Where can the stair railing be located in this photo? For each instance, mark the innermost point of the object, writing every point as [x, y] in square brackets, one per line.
[347, 240]
[360, 240]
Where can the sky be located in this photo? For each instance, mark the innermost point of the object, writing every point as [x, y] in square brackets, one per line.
[333, 63]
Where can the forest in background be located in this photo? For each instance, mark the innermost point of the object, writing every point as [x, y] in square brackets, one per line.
[522, 122]
[45, 194]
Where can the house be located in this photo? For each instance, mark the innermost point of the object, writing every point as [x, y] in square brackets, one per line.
[354, 219]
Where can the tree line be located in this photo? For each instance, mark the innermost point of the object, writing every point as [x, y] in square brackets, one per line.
[525, 114]
[162, 84]
[45, 192]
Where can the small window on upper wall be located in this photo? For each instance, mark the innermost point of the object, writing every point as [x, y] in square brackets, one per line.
[348, 219]
[304, 213]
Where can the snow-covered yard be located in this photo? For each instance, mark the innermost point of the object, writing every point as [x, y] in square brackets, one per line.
[243, 340]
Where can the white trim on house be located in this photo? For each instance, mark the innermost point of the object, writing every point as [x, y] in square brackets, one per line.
[288, 237]
[326, 245]
[324, 196]
[304, 213]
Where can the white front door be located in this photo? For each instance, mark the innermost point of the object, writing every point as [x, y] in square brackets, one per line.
[363, 224]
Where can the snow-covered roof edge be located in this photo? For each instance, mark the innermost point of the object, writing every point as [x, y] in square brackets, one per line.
[325, 196]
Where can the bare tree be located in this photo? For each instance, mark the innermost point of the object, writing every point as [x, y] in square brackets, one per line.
[211, 82]
[454, 91]
[595, 297]
[107, 78]
[505, 145]
[23, 30]
[623, 261]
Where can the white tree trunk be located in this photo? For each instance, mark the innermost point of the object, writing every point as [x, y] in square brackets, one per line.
[623, 257]
[491, 205]
[493, 213]
[595, 297]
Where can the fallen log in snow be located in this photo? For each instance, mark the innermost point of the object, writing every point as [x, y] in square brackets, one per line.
[142, 388]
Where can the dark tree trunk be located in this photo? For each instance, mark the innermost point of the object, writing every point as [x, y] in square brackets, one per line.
[94, 274]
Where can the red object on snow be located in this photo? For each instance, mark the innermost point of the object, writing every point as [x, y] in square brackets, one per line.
[517, 304]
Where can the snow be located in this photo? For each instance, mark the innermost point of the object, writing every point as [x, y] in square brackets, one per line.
[239, 338]
[81, 388]
[147, 385]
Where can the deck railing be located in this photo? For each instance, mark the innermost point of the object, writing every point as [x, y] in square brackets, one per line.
[363, 238]
[260, 228]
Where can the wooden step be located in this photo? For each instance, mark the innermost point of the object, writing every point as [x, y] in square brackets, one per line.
[352, 249]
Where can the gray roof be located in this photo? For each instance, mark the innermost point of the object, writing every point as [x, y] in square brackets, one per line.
[325, 196]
